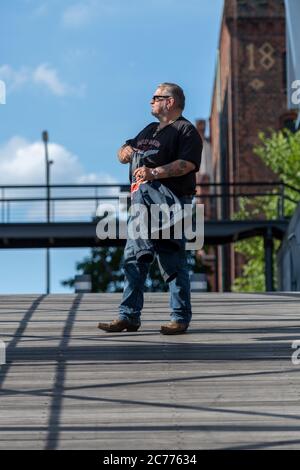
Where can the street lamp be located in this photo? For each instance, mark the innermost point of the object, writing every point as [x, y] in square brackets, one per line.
[48, 162]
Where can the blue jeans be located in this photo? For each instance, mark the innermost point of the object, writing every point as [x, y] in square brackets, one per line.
[135, 276]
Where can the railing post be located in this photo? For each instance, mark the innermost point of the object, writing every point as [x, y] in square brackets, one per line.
[3, 205]
[48, 203]
[281, 202]
[269, 269]
[96, 199]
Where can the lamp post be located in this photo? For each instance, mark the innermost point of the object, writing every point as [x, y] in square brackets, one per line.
[48, 162]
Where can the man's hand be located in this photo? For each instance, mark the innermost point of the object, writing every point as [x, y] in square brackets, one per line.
[171, 170]
[143, 174]
[125, 153]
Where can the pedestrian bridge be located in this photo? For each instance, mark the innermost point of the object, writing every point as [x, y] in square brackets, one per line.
[228, 383]
[65, 215]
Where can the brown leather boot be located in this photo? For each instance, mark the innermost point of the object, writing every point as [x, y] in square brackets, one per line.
[116, 326]
[173, 328]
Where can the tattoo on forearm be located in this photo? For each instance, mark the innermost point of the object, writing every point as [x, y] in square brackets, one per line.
[177, 168]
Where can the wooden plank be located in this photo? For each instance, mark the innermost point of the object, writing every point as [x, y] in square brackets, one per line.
[228, 383]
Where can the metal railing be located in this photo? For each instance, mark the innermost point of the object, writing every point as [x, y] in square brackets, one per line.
[79, 203]
[224, 198]
[69, 202]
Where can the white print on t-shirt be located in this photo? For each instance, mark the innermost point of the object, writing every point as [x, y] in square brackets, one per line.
[147, 142]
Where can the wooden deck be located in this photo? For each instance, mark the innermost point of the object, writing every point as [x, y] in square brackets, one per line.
[228, 383]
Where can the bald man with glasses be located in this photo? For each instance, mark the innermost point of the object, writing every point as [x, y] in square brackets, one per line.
[173, 149]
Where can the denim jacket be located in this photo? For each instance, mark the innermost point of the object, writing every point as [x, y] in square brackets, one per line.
[147, 194]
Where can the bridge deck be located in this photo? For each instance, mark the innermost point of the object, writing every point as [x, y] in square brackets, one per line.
[228, 383]
[83, 234]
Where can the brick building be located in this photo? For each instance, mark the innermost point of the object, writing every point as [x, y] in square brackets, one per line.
[249, 96]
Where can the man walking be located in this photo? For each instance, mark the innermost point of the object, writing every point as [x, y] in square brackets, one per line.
[174, 149]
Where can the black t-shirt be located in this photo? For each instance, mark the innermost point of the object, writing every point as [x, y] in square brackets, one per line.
[177, 141]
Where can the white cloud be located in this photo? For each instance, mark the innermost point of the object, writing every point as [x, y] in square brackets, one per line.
[78, 15]
[43, 75]
[81, 14]
[23, 162]
[14, 79]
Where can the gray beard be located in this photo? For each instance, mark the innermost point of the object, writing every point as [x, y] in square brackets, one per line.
[158, 116]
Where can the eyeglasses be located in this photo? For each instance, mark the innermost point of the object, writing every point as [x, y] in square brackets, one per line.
[160, 97]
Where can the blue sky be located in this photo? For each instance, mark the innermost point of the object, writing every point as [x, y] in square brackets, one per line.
[85, 71]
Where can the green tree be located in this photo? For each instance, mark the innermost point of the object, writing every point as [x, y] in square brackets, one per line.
[103, 265]
[281, 152]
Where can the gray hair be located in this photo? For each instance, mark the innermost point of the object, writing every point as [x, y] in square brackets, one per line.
[176, 92]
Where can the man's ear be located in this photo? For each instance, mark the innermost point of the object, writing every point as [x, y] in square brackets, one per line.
[173, 101]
